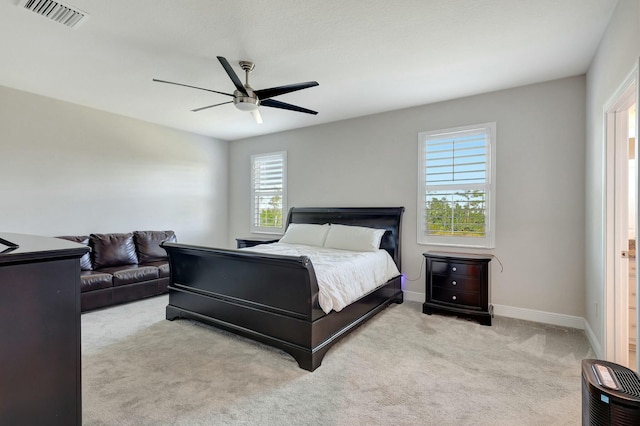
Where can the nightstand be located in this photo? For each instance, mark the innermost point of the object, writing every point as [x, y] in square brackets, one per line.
[254, 241]
[458, 284]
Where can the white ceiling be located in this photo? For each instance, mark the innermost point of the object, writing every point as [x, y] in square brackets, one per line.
[369, 56]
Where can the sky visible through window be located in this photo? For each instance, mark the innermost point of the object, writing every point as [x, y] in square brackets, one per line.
[457, 160]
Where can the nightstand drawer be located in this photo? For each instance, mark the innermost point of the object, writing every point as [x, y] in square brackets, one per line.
[456, 297]
[454, 282]
[456, 268]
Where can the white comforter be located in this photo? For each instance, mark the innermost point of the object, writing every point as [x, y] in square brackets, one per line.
[343, 276]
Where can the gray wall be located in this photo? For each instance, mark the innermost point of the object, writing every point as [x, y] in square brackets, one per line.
[67, 169]
[616, 56]
[372, 161]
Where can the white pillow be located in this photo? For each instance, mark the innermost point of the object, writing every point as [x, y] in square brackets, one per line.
[305, 233]
[355, 238]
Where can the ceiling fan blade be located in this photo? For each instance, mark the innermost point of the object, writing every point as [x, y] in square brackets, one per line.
[210, 106]
[257, 116]
[193, 87]
[281, 90]
[282, 105]
[232, 74]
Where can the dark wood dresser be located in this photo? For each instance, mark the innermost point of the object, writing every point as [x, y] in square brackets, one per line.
[458, 284]
[40, 380]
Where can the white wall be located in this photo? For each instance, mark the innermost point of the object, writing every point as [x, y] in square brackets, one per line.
[372, 161]
[617, 54]
[67, 169]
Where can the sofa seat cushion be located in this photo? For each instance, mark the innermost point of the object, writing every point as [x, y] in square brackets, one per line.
[162, 265]
[128, 274]
[113, 250]
[94, 280]
[148, 244]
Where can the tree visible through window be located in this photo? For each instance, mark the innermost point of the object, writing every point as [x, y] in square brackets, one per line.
[455, 199]
[457, 213]
[268, 192]
[271, 217]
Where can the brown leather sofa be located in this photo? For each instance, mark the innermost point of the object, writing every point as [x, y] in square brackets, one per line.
[122, 267]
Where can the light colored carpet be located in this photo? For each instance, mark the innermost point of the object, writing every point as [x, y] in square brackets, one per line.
[400, 368]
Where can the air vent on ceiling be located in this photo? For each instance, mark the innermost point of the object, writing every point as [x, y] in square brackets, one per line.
[55, 11]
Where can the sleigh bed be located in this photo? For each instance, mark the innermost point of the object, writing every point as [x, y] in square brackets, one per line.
[272, 298]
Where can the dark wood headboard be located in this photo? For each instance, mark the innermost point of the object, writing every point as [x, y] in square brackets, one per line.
[388, 218]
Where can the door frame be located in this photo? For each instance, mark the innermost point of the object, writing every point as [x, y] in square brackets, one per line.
[616, 289]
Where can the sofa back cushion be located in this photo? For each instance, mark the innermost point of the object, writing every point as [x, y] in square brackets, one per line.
[148, 244]
[85, 260]
[113, 250]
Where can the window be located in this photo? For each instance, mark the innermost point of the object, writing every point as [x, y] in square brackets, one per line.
[456, 197]
[268, 192]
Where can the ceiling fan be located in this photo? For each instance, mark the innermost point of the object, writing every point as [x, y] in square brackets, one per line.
[245, 98]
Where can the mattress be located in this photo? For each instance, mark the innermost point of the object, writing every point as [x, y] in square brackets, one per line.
[343, 276]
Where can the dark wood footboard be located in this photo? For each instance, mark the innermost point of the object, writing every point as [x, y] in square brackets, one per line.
[280, 284]
[274, 299]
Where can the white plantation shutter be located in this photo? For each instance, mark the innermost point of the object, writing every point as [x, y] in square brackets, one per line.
[268, 192]
[455, 195]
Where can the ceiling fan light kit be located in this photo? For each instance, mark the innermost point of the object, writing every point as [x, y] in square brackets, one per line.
[247, 99]
[256, 116]
[246, 103]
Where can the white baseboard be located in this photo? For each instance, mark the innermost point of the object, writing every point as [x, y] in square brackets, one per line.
[413, 296]
[539, 316]
[527, 314]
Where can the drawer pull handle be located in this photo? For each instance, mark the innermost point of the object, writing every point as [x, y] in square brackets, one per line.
[454, 298]
[453, 283]
[454, 269]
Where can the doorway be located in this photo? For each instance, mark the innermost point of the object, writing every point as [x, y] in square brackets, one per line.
[621, 333]
[632, 209]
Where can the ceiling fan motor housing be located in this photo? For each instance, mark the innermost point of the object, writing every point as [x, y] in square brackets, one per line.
[244, 102]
